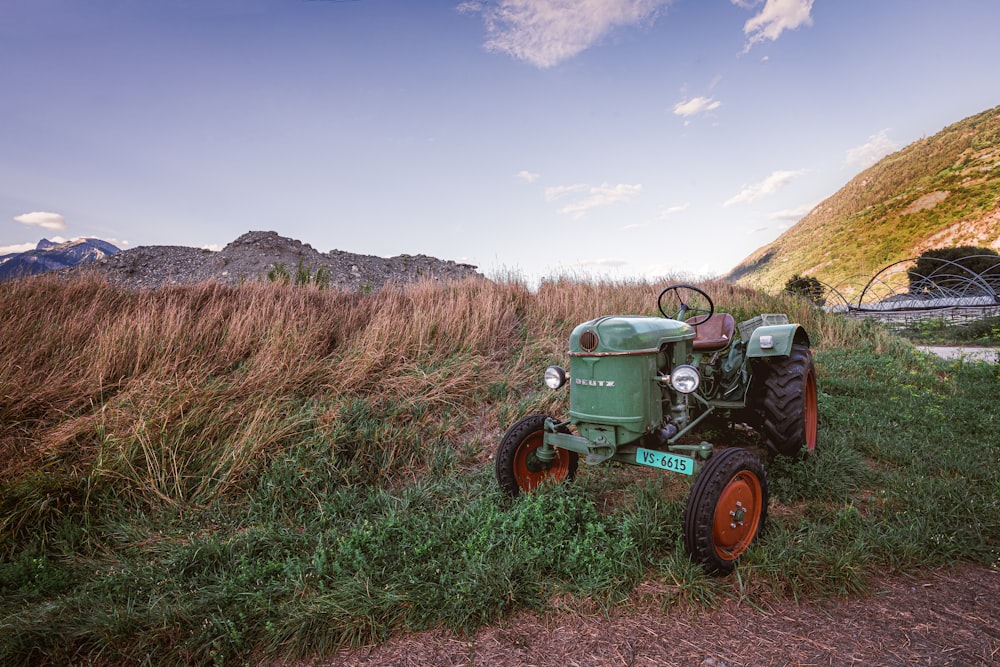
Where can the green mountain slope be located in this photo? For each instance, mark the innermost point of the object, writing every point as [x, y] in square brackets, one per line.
[937, 192]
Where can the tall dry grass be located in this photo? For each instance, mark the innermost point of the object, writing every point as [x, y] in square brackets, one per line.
[167, 394]
[175, 395]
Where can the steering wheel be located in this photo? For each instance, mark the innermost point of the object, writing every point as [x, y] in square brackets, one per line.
[691, 302]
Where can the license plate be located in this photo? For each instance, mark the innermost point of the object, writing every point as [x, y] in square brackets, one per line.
[664, 460]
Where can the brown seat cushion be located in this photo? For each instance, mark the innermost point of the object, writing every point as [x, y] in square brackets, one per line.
[712, 334]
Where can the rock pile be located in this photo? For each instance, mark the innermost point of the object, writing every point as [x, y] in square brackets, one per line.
[262, 255]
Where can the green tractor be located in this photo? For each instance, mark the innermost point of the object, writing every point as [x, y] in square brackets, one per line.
[639, 387]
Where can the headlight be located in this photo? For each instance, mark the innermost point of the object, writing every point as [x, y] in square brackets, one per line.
[555, 377]
[685, 379]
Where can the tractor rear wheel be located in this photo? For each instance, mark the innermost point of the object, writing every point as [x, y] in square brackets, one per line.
[726, 509]
[788, 406]
[518, 467]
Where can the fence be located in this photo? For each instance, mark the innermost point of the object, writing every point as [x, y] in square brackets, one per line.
[899, 319]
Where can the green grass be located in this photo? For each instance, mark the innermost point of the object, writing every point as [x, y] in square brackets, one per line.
[372, 509]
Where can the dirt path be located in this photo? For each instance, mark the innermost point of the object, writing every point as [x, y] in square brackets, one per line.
[939, 619]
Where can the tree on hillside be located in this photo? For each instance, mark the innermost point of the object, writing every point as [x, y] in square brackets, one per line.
[808, 287]
[965, 270]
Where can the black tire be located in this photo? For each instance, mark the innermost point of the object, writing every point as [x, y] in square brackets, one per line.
[516, 466]
[726, 510]
[787, 402]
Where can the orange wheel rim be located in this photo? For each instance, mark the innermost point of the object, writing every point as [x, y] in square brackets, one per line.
[811, 411]
[529, 471]
[737, 515]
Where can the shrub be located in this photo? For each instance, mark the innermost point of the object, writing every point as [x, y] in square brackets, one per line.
[808, 287]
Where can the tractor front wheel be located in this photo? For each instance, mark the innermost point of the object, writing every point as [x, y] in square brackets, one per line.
[518, 466]
[726, 509]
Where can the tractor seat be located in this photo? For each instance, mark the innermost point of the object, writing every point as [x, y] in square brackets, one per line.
[712, 334]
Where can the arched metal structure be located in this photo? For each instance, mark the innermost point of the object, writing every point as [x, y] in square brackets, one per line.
[949, 283]
[899, 288]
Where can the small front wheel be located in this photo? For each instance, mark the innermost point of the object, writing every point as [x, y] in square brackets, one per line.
[518, 466]
[726, 509]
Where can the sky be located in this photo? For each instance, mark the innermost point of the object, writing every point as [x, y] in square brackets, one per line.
[621, 139]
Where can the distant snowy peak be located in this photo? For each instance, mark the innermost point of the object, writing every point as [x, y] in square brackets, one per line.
[84, 250]
[51, 256]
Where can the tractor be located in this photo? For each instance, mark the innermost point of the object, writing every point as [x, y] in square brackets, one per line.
[639, 386]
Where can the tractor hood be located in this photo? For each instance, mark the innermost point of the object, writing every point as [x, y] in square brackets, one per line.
[614, 364]
[626, 334]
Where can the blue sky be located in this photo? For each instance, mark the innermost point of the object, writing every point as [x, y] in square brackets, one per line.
[621, 138]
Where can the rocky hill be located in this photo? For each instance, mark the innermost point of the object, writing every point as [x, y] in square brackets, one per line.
[50, 256]
[260, 255]
[940, 191]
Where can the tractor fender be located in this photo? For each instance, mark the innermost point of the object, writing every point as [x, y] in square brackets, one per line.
[780, 341]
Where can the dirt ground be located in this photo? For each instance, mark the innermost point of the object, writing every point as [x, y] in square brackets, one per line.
[944, 618]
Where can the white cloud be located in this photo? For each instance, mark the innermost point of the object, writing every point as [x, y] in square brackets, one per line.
[527, 176]
[768, 186]
[558, 191]
[545, 33]
[42, 219]
[591, 196]
[776, 17]
[696, 105]
[670, 210]
[11, 249]
[878, 146]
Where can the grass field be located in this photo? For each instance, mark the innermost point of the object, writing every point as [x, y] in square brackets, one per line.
[231, 475]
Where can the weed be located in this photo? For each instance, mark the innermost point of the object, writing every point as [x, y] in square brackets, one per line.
[302, 276]
[984, 332]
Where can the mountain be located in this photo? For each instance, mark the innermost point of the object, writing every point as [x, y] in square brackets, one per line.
[259, 255]
[49, 256]
[940, 191]
[256, 255]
